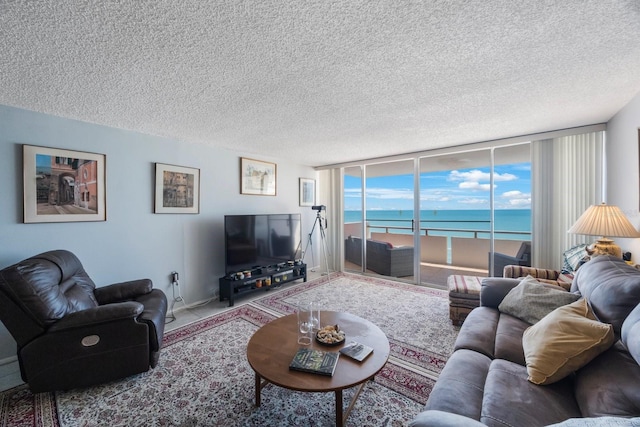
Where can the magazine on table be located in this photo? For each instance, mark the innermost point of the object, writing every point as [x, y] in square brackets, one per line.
[356, 350]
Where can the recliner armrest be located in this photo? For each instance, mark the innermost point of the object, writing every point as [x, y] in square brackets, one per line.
[101, 314]
[494, 289]
[124, 291]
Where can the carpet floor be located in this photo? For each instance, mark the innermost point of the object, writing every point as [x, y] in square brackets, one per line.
[203, 377]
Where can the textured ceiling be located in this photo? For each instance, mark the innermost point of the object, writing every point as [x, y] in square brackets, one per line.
[323, 81]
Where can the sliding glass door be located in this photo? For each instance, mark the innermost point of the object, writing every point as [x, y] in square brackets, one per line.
[455, 214]
[470, 206]
[511, 208]
[378, 202]
[389, 219]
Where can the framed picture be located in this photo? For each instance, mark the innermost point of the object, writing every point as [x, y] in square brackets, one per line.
[307, 192]
[257, 177]
[63, 185]
[177, 189]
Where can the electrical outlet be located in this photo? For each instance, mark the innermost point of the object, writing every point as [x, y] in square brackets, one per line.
[174, 277]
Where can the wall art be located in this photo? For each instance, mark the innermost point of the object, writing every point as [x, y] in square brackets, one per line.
[257, 177]
[177, 189]
[63, 185]
[307, 192]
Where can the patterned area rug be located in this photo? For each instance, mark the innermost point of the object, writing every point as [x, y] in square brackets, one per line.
[204, 379]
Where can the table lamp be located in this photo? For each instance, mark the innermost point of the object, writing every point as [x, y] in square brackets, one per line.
[606, 221]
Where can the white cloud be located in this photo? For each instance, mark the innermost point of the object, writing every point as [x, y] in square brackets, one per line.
[470, 185]
[390, 193]
[478, 180]
[475, 201]
[478, 175]
[517, 198]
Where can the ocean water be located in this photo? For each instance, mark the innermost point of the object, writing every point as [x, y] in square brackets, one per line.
[510, 224]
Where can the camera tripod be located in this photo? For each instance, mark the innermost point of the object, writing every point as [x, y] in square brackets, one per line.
[323, 238]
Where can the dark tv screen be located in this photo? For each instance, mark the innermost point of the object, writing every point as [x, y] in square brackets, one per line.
[253, 241]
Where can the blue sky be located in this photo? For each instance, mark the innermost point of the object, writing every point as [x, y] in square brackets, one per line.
[455, 189]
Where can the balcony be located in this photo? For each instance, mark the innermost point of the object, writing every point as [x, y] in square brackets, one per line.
[444, 251]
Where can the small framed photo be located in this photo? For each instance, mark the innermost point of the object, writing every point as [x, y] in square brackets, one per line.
[257, 177]
[63, 185]
[307, 192]
[177, 189]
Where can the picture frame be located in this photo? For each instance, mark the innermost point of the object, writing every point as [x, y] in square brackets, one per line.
[61, 185]
[307, 192]
[177, 189]
[257, 177]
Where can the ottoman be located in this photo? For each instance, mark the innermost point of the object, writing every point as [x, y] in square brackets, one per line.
[464, 296]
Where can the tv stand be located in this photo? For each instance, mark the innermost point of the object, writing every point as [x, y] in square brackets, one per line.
[262, 279]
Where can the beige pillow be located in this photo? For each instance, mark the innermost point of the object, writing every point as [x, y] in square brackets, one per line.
[564, 341]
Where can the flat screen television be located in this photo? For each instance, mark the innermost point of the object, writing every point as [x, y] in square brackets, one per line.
[254, 241]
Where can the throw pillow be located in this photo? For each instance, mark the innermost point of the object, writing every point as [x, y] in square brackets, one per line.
[563, 342]
[573, 258]
[531, 300]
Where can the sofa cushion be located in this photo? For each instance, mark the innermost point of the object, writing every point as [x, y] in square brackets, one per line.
[478, 332]
[609, 385]
[460, 386]
[508, 344]
[612, 288]
[599, 422]
[631, 333]
[509, 397]
[564, 341]
[532, 300]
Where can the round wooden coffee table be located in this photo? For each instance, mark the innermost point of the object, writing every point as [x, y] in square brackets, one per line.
[272, 347]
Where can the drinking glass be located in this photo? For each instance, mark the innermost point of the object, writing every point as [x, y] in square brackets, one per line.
[315, 316]
[304, 323]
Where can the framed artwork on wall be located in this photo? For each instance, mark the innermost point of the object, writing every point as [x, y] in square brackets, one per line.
[63, 185]
[307, 192]
[257, 177]
[177, 189]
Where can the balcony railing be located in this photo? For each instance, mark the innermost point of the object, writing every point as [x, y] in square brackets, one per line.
[461, 247]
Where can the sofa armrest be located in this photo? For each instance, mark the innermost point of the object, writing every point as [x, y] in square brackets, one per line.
[124, 291]
[97, 315]
[434, 418]
[494, 289]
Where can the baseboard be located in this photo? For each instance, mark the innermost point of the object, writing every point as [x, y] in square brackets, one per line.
[8, 360]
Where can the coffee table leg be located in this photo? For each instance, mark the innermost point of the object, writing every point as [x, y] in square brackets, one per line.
[339, 416]
[258, 388]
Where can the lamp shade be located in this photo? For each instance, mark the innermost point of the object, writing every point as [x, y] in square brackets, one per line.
[604, 220]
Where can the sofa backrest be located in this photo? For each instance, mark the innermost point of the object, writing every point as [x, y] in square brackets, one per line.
[631, 333]
[612, 288]
[48, 286]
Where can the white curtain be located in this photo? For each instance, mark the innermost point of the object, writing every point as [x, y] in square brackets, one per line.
[567, 177]
[330, 194]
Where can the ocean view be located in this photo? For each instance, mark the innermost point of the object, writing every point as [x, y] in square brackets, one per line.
[515, 222]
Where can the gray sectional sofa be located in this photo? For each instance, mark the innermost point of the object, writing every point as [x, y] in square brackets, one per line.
[488, 380]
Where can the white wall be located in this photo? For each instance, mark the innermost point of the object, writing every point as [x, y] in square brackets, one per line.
[134, 242]
[622, 169]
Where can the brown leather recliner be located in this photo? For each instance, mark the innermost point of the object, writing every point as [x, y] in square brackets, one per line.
[71, 334]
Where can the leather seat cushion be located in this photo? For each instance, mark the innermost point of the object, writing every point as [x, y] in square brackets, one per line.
[507, 391]
[609, 385]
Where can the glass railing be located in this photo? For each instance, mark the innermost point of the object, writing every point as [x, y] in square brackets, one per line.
[465, 245]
